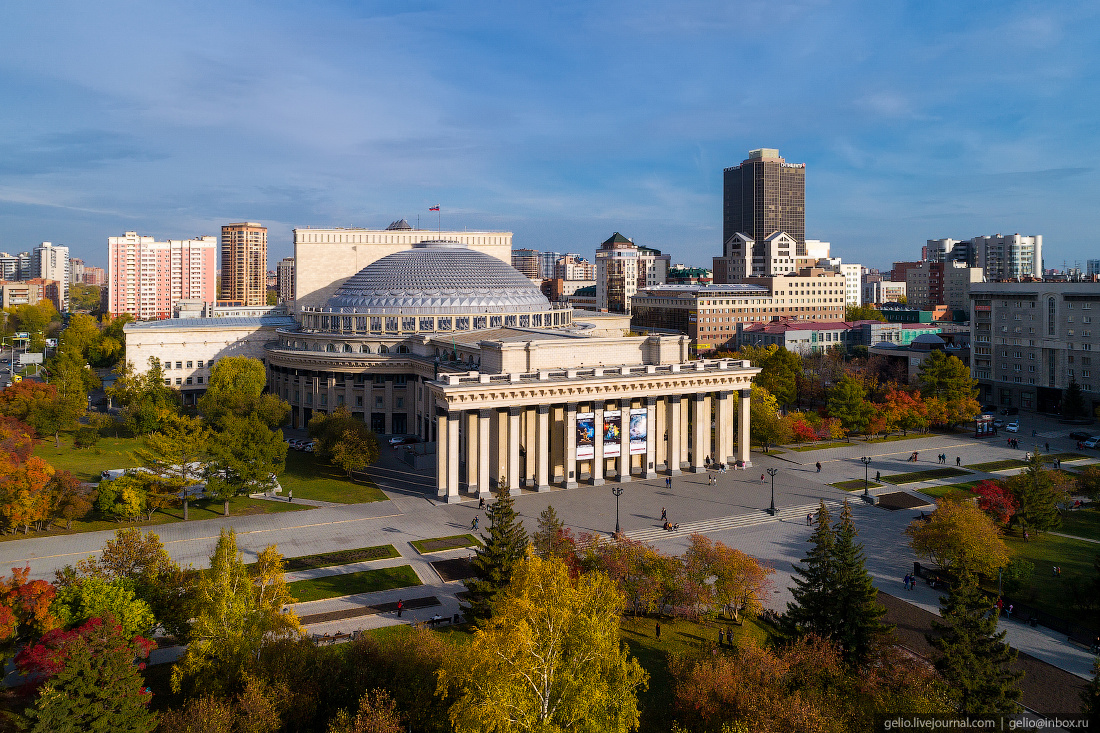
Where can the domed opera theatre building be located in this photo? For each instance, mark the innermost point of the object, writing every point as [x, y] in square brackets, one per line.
[455, 346]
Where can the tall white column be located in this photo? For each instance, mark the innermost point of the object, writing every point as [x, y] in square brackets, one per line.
[723, 430]
[486, 483]
[442, 471]
[598, 460]
[650, 464]
[623, 461]
[542, 448]
[673, 447]
[473, 446]
[513, 450]
[700, 432]
[452, 457]
[570, 467]
[743, 402]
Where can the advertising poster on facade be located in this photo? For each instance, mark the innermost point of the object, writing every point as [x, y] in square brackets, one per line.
[612, 433]
[639, 425]
[586, 435]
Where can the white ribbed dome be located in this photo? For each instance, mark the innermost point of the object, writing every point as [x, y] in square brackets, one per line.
[437, 276]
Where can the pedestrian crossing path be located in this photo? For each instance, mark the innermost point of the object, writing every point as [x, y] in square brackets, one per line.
[737, 521]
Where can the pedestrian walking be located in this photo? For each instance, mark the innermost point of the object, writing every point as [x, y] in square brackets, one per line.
[720, 634]
[809, 519]
[878, 475]
[761, 478]
[819, 466]
[905, 581]
[664, 514]
[481, 503]
[958, 460]
[290, 495]
[400, 607]
[473, 524]
[658, 631]
[1027, 537]
[1010, 607]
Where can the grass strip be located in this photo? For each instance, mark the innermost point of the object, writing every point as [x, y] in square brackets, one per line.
[439, 544]
[341, 557]
[818, 446]
[854, 485]
[1066, 457]
[1000, 465]
[949, 489]
[926, 475]
[348, 584]
[310, 477]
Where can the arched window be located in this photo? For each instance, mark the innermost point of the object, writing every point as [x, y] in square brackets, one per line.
[383, 349]
[347, 348]
[402, 349]
[364, 349]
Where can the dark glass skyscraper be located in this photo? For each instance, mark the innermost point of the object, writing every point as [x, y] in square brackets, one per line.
[764, 195]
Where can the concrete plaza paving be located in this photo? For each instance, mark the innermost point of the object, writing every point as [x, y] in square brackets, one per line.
[732, 512]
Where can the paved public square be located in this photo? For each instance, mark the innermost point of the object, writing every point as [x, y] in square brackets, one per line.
[732, 512]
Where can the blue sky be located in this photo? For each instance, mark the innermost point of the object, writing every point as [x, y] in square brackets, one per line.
[562, 122]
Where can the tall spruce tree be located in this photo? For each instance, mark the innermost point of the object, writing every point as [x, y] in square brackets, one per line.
[859, 626]
[545, 541]
[1034, 490]
[813, 610]
[974, 660]
[494, 561]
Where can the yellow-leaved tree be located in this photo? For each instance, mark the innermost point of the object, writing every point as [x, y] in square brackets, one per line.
[960, 538]
[549, 658]
[236, 614]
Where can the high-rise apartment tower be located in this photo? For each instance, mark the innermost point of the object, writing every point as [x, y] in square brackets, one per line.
[765, 195]
[244, 263]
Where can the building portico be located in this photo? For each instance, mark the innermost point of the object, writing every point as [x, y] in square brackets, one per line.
[571, 426]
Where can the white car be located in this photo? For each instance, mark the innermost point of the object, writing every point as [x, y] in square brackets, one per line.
[1092, 442]
[1012, 427]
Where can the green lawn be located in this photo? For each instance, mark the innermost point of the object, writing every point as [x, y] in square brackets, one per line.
[89, 463]
[855, 485]
[1000, 465]
[439, 544]
[677, 636]
[311, 478]
[892, 438]
[341, 557]
[1082, 523]
[1063, 457]
[925, 475]
[960, 490]
[239, 506]
[367, 581]
[820, 446]
[1055, 594]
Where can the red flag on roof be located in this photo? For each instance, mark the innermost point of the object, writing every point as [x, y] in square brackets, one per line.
[434, 208]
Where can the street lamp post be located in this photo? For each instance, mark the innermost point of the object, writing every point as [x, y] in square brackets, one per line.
[772, 472]
[617, 490]
[866, 461]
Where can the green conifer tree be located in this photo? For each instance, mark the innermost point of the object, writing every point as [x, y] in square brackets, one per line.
[1090, 698]
[813, 610]
[545, 540]
[974, 660]
[858, 612]
[1034, 490]
[495, 559]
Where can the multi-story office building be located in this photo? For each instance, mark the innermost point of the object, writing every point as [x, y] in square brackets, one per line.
[284, 276]
[1092, 267]
[622, 269]
[944, 282]
[95, 275]
[325, 258]
[808, 337]
[29, 292]
[899, 272]
[1031, 339]
[76, 270]
[1001, 257]
[765, 195]
[16, 267]
[51, 262]
[548, 265]
[244, 263]
[877, 292]
[711, 314]
[574, 267]
[528, 262]
[853, 278]
[146, 277]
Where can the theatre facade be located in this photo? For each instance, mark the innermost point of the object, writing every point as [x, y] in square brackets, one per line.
[458, 348]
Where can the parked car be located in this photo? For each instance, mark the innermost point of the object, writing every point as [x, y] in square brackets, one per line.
[308, 447]
[402, 439]
[1010, 411]
[1079, 435]
[1092, 442]
[998, 423]
[1013, 427]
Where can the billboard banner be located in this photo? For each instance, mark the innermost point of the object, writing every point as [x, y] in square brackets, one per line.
[612, 433]
[586, 436]
[639, 427]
